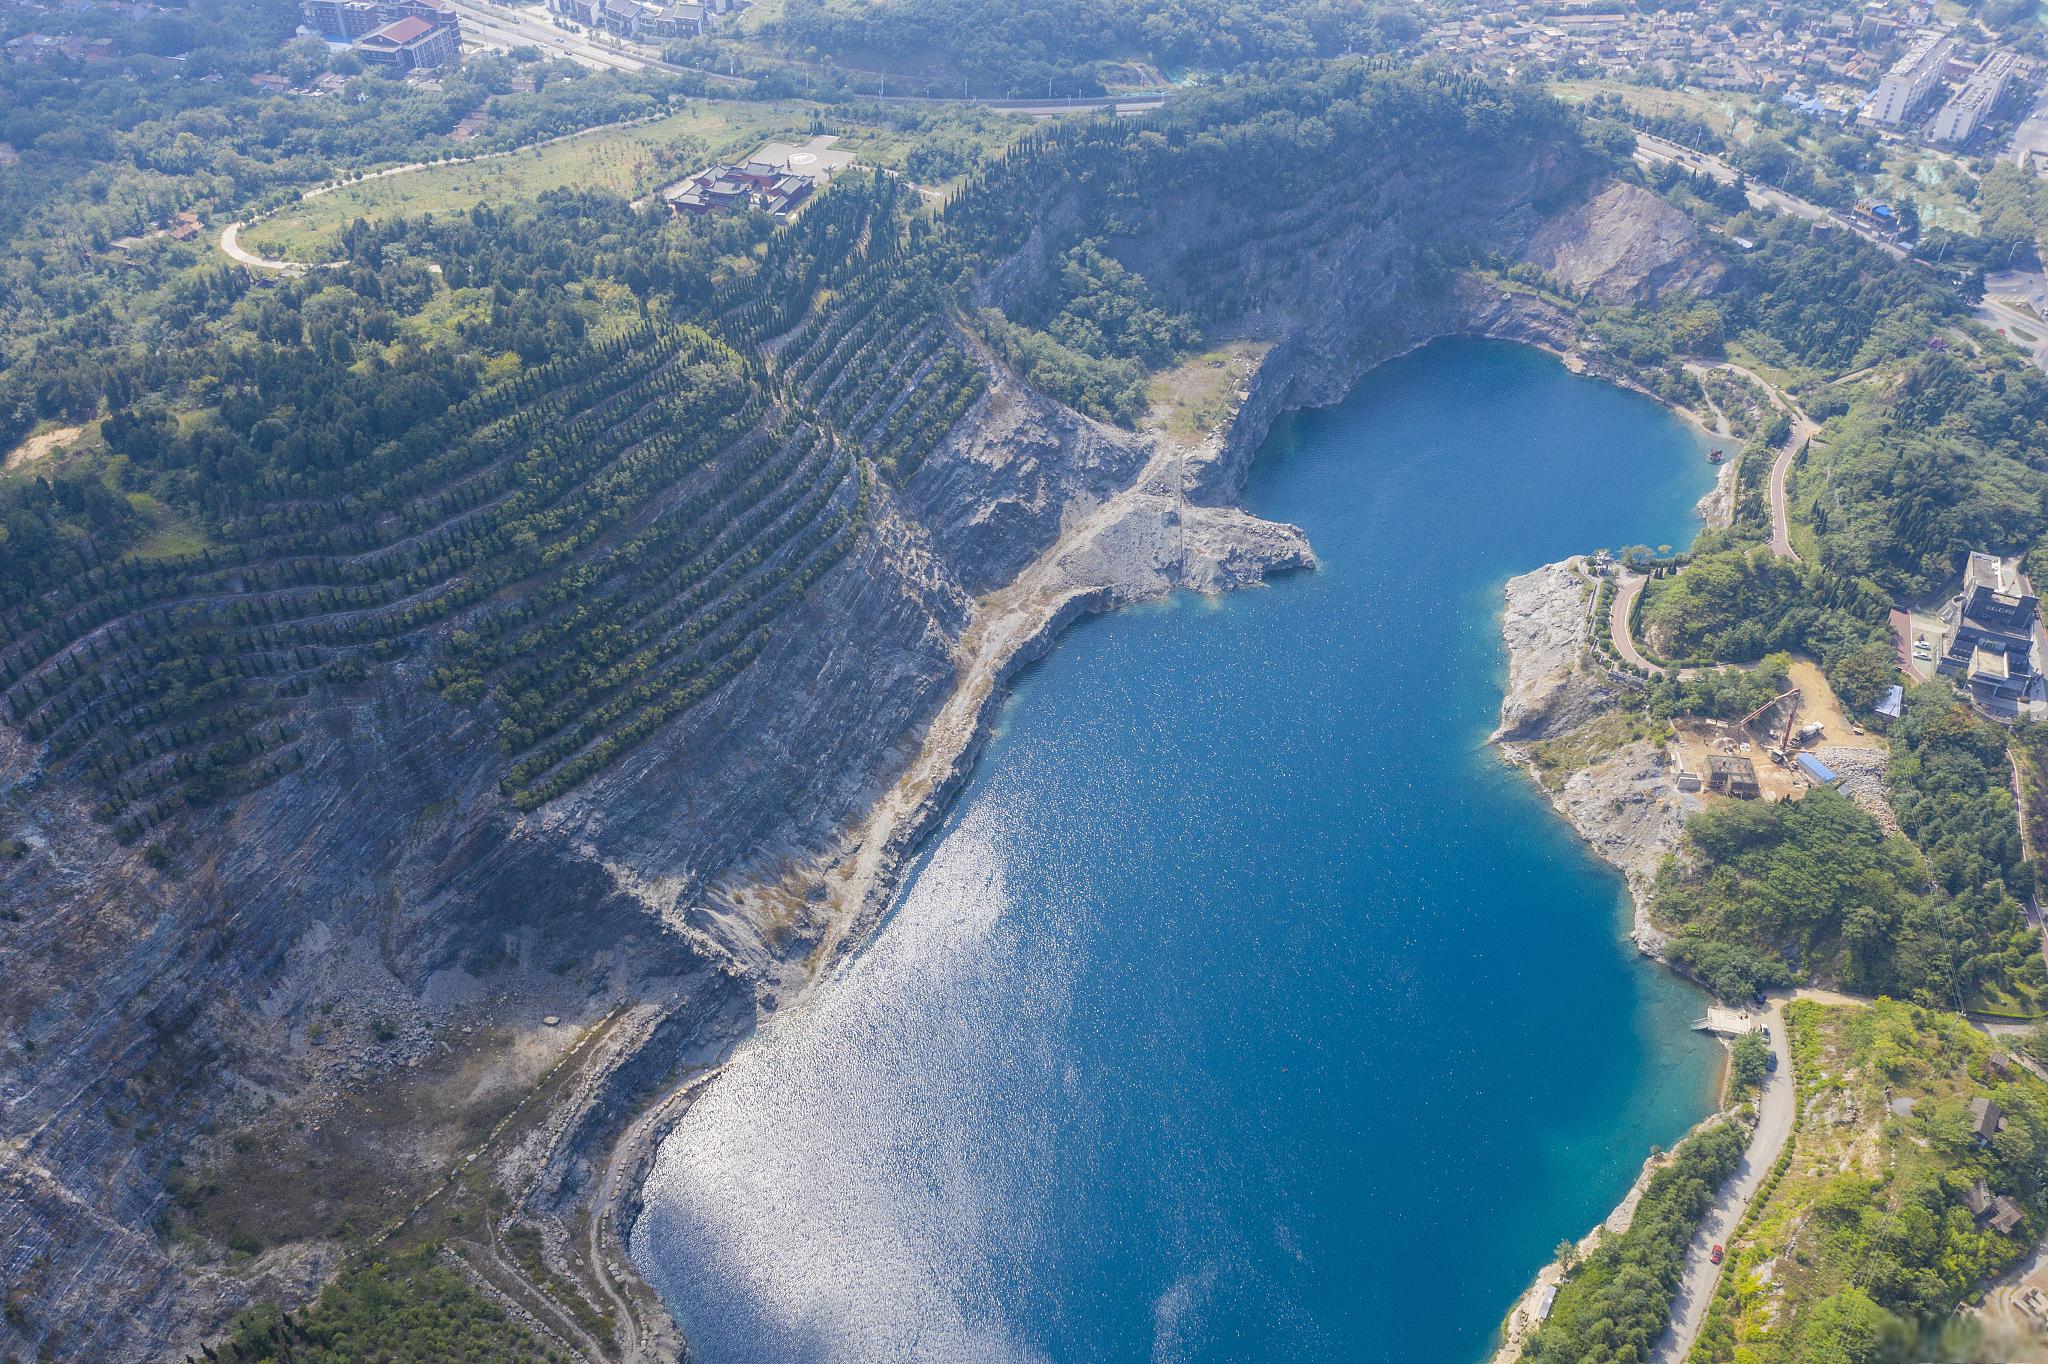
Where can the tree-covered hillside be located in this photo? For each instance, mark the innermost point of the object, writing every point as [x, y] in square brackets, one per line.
[1069, 46]
[579, 472]
[1881, 1222]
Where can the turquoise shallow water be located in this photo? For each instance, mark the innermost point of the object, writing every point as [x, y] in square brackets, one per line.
[1246, 1006]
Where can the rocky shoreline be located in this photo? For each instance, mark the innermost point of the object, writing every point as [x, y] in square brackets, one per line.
[1128, 550]
[349, 965]
[1175, 526]
[1622, 803]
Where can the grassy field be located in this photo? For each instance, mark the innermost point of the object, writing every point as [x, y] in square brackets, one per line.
[634, 161]
[1933, 181]
[1194, 397]
[1727, 115]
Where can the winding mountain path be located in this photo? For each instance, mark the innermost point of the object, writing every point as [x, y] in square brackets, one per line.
[231, 243]
[1802, 431]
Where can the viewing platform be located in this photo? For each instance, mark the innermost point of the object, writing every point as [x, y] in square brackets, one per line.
[1728, 1022]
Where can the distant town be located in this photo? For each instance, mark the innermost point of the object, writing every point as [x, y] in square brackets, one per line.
[1890, 67]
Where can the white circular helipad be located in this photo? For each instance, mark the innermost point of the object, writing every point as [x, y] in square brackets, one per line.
[802, 158]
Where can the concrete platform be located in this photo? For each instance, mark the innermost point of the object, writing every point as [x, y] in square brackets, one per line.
[1729, 1022]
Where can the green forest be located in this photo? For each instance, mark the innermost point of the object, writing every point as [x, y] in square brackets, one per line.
[1776, 894]
[1069, 46]
[312, 479]
[410, 1308]
[1615, 1305]
[102, 153]
[1782, 892]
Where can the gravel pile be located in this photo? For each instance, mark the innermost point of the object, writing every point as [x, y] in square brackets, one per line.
[1862, 774]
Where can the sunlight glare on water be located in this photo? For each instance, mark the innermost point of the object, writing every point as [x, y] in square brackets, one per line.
[1246, 1006]
[860, 1219]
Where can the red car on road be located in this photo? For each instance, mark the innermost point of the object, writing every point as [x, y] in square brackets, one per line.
[1716, 1256]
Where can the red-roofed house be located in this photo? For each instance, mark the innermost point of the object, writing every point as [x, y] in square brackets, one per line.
[344, 21]
[410, 44]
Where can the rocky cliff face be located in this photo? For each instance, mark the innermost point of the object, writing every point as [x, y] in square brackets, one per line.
[344, 988]
[1620, 794]
[1627, 246]
[1547, 626]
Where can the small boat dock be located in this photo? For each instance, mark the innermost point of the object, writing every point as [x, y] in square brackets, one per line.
[1728, 1022]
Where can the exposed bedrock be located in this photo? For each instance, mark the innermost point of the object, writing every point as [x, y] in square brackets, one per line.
[341, 966]
[1622, 801]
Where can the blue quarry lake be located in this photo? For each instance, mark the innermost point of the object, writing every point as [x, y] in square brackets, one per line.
[1246, 1006]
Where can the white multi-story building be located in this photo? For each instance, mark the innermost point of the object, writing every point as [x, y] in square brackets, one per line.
[1959, 118]
[1911, 79]
[644, 19]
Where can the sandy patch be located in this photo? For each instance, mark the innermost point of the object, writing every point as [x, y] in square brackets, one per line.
[40, 447]
[1817, 701]
[1699, 740]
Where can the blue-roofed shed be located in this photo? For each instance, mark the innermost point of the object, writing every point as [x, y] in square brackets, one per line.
[1894, 703]
[1816, 769]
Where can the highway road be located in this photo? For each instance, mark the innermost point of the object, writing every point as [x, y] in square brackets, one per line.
[2004, 293]
[2014, 303]
[510, 26]
[2031, 137]
[503, 27]
[1653, 151]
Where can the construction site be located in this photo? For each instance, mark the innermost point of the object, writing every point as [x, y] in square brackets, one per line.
[1781, 750]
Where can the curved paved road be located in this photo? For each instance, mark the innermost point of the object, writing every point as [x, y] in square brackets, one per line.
[1628, 586]
[231, 235]
[2012, 305]
[1803, 429]
[231, 242]
[1774, 1127]
[1781, 526]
